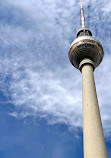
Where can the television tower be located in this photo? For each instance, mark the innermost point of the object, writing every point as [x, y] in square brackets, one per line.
[85, 54]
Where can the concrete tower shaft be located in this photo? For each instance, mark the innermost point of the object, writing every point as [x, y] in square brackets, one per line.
[94, 143]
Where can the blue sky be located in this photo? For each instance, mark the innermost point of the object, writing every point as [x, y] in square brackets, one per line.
[40, 91]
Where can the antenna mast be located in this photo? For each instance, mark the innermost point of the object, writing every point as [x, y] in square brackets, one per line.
[82, 16]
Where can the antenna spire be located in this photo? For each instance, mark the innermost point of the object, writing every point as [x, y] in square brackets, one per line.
[82, 16]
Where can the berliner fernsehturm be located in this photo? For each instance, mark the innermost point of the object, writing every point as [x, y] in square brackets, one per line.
[85, 54]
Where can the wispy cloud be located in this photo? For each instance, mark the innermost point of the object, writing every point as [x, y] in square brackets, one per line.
[35, 71]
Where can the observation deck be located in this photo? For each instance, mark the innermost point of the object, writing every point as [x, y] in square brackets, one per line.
[85, 46]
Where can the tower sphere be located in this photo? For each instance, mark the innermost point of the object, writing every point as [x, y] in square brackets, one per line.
[85, 46]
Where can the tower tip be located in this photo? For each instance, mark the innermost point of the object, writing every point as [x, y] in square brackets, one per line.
[82, 15]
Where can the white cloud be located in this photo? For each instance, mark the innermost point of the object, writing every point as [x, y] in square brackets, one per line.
[48, 93]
